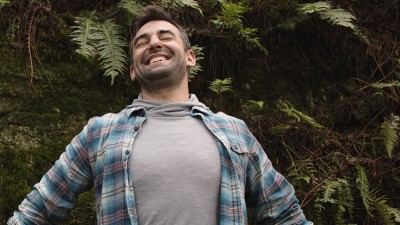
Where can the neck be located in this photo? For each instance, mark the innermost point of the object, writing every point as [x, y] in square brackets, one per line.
[180, 94]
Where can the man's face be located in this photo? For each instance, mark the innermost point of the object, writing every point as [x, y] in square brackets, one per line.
[159, 58]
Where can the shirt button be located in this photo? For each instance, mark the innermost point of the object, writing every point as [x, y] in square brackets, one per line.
[235, 147]
[136, 128]
[127, 152]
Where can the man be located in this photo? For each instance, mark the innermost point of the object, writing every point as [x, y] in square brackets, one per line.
[166, 158]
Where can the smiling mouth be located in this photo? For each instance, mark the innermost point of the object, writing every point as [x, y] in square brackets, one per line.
[157, 59]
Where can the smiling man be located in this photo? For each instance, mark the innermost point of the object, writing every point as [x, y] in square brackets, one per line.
[166, 159]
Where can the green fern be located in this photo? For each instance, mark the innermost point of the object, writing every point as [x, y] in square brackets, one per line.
[220, 86]
[111, 49]
[130, 6]
[345, 203]
[389, 132]
[230, 16]
[335, 16]
[336, 193]
[84, 35]
[252, 106]
[229, 20]
[392, 84]
[364, 188]
[199, 57]
[390, 216]
[286, 107]
[4, 2]
[302, 171]
[101, 39]
[177, 4]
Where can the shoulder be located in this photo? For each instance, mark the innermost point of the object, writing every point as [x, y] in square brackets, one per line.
[111, 119]
[231, 125]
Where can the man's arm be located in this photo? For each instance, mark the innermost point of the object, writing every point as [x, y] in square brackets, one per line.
[269, 195]
[54, 196]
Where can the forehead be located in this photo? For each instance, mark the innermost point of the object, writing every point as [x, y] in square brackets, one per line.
[155, 26]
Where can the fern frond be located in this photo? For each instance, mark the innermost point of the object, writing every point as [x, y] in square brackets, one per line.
[335, 16]
[302, 170]
[251, 40]
[395, 83]
[231, 15]
[111, 49]
[286, 107]
[345, 203]
[131, 6]
[389, 132]
[176, 4]
[198, 52]
[390, 216]
[220, 86]
[4, 2]
[84, 35]
[364, 188]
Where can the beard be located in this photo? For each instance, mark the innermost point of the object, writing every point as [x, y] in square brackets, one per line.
[163, 77]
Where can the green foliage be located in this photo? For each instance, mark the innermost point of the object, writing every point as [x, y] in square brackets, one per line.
[335, 16]
[364, 188]
[84, 35]
[132, 7]
[287, 108]
[392, 84]
[111, 45]
[198, 52]
[389, 215]
[301, 171]
[252, 106]
[229, 21]
[177, 4]
[220, 86]
[102, 39]
[4, 2]
[390, 132]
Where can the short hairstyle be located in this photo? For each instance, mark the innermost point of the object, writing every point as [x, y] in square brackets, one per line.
[151, 13]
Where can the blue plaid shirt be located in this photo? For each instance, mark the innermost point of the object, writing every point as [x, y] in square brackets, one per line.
[99, 156]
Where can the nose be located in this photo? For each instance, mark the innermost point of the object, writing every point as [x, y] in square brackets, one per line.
[154, 42]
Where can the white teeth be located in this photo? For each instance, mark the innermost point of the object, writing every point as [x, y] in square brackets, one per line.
[157, 59]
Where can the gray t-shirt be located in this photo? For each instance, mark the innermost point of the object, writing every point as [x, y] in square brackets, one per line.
[175, 166]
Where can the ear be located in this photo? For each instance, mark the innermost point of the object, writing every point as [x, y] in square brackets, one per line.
[132, 73]
[190, 58]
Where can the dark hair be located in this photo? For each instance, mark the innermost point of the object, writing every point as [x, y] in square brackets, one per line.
[153, 12]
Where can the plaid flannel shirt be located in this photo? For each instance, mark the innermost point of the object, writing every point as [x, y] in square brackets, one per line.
[99, 157]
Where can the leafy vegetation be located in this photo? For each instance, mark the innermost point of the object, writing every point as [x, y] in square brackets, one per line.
[317, 82]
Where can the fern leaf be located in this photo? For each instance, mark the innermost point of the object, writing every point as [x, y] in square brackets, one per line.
[176, 4]
[4, 2]
[387, 85]
[339, 17]
[230, 16]
[286, 107]
[389, 133]
[111, 53]
[335, 16]
[220, 86]
[310, 8]
[390, 216]
[131, 6]
[364, 188]
[199, 57]
[84, 35]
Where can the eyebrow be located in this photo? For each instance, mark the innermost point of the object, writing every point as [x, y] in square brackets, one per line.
[146, 35]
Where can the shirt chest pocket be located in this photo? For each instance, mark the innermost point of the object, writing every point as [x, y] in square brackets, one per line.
[240, 156]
